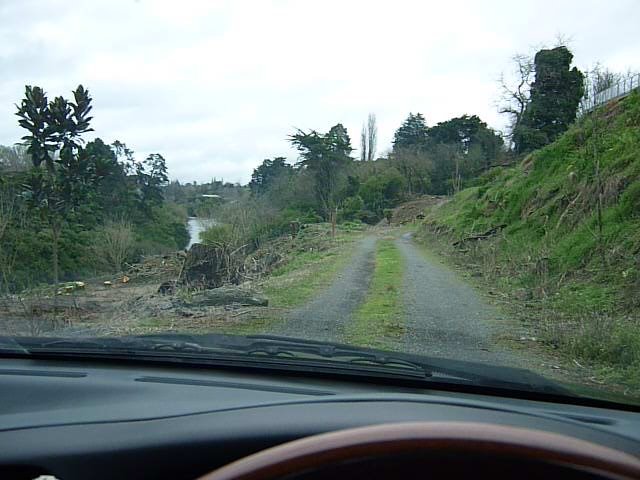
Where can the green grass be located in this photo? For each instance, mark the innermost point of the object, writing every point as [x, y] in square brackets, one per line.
[379, 320]
[578, 288]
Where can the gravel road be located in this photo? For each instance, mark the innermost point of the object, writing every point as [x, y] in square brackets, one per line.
[444, 316]
[324, 317]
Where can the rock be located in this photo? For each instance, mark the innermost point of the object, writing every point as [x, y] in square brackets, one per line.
[167, 288]
[523, 294]
[227, 295]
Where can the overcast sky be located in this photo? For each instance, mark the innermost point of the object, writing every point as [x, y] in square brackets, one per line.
[217, 86]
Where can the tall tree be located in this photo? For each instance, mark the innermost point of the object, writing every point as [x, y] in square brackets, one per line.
[63, 172]
[555, 95]
[372, 137]
[413, 134]
[326, 156]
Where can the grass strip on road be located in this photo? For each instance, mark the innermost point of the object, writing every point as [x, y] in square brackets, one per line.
[378, 322]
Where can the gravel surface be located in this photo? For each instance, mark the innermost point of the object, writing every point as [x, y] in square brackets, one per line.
[444, 316]
[324, 317]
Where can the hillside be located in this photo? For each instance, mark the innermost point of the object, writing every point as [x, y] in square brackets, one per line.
[542, 234]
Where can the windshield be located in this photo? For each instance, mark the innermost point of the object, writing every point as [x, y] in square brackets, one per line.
[445, 192]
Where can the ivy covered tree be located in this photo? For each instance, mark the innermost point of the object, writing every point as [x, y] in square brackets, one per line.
[554, 99]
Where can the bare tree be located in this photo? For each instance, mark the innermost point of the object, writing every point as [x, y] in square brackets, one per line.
[516, 89]
[372, 137]
[14, 158]
[116, 243]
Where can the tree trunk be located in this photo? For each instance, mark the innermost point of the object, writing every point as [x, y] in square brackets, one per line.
[55, 236]
[226, 296]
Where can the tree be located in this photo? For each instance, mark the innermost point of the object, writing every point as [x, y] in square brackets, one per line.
[63, 170]
[555, 95]
[413, 134]
[265, 175]
[415, 165]
[471, 136]
[326, 157]
[369, 139]
[115, 243]
[152, 178]
[515, 93]
[14, 158]
[382, 191]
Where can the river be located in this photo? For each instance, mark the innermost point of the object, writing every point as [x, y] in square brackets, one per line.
[196, 226]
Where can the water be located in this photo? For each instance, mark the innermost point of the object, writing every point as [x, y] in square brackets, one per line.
[196, 226]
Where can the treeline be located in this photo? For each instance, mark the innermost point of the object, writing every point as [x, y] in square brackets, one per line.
[328, 182]
[203, 199]
[70, 208]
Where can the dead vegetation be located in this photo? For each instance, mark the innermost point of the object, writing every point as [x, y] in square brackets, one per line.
[414, 210]
[209, 287]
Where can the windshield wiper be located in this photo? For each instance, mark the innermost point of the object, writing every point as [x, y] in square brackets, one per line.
[275, 346]
[275, 350]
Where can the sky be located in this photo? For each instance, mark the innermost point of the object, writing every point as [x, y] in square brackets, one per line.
[217, 86]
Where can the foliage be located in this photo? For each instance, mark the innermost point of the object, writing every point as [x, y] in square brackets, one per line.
[351, 207]
[115, 243]
[412, 134]
[326, 156]
[555, 95]
[87, 198]
[264, 176]
[53, 141]
[382, 191]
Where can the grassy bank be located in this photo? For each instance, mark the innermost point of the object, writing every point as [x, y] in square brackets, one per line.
[377, 322]
[564, 256]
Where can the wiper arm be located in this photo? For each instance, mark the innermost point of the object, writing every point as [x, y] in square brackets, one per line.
[212, 345]
[275, 346]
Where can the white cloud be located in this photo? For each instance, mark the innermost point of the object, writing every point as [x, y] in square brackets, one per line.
[217, 86]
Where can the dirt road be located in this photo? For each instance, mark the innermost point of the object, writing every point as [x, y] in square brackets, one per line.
[324, 317]
[444, 317]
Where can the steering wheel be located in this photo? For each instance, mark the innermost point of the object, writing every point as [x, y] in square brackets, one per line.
[441, 449]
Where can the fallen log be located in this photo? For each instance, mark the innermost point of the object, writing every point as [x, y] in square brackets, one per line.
[227, 295]
[481, 236]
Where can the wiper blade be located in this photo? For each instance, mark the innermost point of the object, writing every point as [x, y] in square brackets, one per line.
[275, 346]
[276, 349]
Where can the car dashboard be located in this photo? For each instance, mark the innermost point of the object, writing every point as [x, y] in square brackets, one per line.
[110, 419]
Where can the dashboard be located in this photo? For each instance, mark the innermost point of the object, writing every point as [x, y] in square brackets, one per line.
[105, 420]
